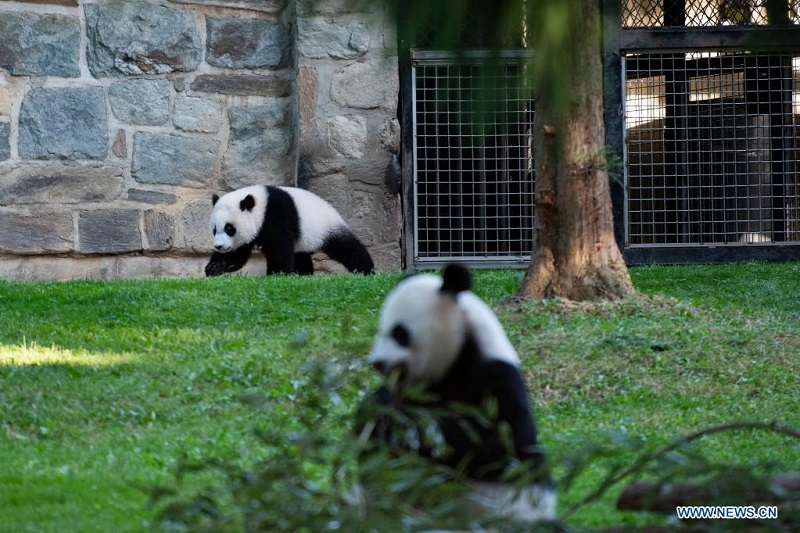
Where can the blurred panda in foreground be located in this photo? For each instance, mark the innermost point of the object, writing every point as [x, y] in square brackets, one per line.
[454, 394]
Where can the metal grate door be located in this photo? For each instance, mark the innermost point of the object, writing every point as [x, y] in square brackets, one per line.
[473, 188]
[711, 148]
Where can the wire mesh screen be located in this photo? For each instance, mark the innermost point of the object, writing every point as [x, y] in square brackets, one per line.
[473, 187]
[711, 148]
[707, 13]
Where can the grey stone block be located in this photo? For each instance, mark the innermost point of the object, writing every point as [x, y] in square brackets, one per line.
[199, 114]
[261, 146]
[320, 38]
[334, 188]
[389, 135]
[60, 183]
[31, 234]
[242, 85]
[63, 123]
[173, 159]
[140, 102]
[135, 37]
[193, 226]
[109, 231]
[235, 42]
[347, 135]
[151, 197]
[366, 86]
[5, 142]
[38, 44]
[159, 229]
[364, 207]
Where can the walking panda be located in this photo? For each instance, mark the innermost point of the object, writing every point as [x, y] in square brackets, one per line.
[288, 224]
[437, 336]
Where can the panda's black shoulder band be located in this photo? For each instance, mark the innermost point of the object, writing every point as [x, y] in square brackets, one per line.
[455, 279]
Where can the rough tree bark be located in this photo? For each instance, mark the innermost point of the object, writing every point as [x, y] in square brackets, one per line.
[575, 254]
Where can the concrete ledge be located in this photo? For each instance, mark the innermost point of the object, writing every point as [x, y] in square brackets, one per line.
[55, 268]
[51, 268]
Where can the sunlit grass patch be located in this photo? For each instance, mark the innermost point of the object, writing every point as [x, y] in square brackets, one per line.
[31, 354]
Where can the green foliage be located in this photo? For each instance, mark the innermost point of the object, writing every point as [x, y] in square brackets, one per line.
[607, 160]
[544, 26]
[310, 481]
[109, 389]
[553, 64]
[459, 24]
[301, 486]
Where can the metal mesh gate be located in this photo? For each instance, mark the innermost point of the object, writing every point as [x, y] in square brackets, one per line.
[711, 148]
[473, 169]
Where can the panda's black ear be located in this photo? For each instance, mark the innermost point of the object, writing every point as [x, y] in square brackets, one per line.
[247, 203]
[455, 279]
[214, 199]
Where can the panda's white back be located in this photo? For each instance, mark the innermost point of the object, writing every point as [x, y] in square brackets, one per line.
[316, 218]
[492, 340]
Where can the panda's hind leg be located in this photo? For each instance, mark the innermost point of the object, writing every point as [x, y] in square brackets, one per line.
[343, 246]
[303, 264]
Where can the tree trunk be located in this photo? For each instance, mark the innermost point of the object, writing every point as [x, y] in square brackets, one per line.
[575, 253]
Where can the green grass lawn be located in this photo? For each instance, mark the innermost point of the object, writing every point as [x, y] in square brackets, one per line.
[106, 387]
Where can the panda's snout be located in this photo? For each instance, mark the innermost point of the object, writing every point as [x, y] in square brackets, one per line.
[380, 366]
[394, 373]
[223, 247]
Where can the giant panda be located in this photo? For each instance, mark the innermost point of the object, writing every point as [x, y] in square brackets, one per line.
[439, 339]
[288, 224]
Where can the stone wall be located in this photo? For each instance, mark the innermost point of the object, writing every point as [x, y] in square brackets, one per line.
[120, 118]
[348, 87]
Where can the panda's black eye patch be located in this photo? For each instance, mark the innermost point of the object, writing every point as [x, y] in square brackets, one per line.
[214, 231]
[230, 230]
[401, 335]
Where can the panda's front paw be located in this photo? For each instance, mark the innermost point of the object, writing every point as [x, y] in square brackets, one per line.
[215, 268]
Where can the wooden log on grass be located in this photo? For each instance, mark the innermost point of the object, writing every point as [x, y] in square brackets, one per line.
[780, 490]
